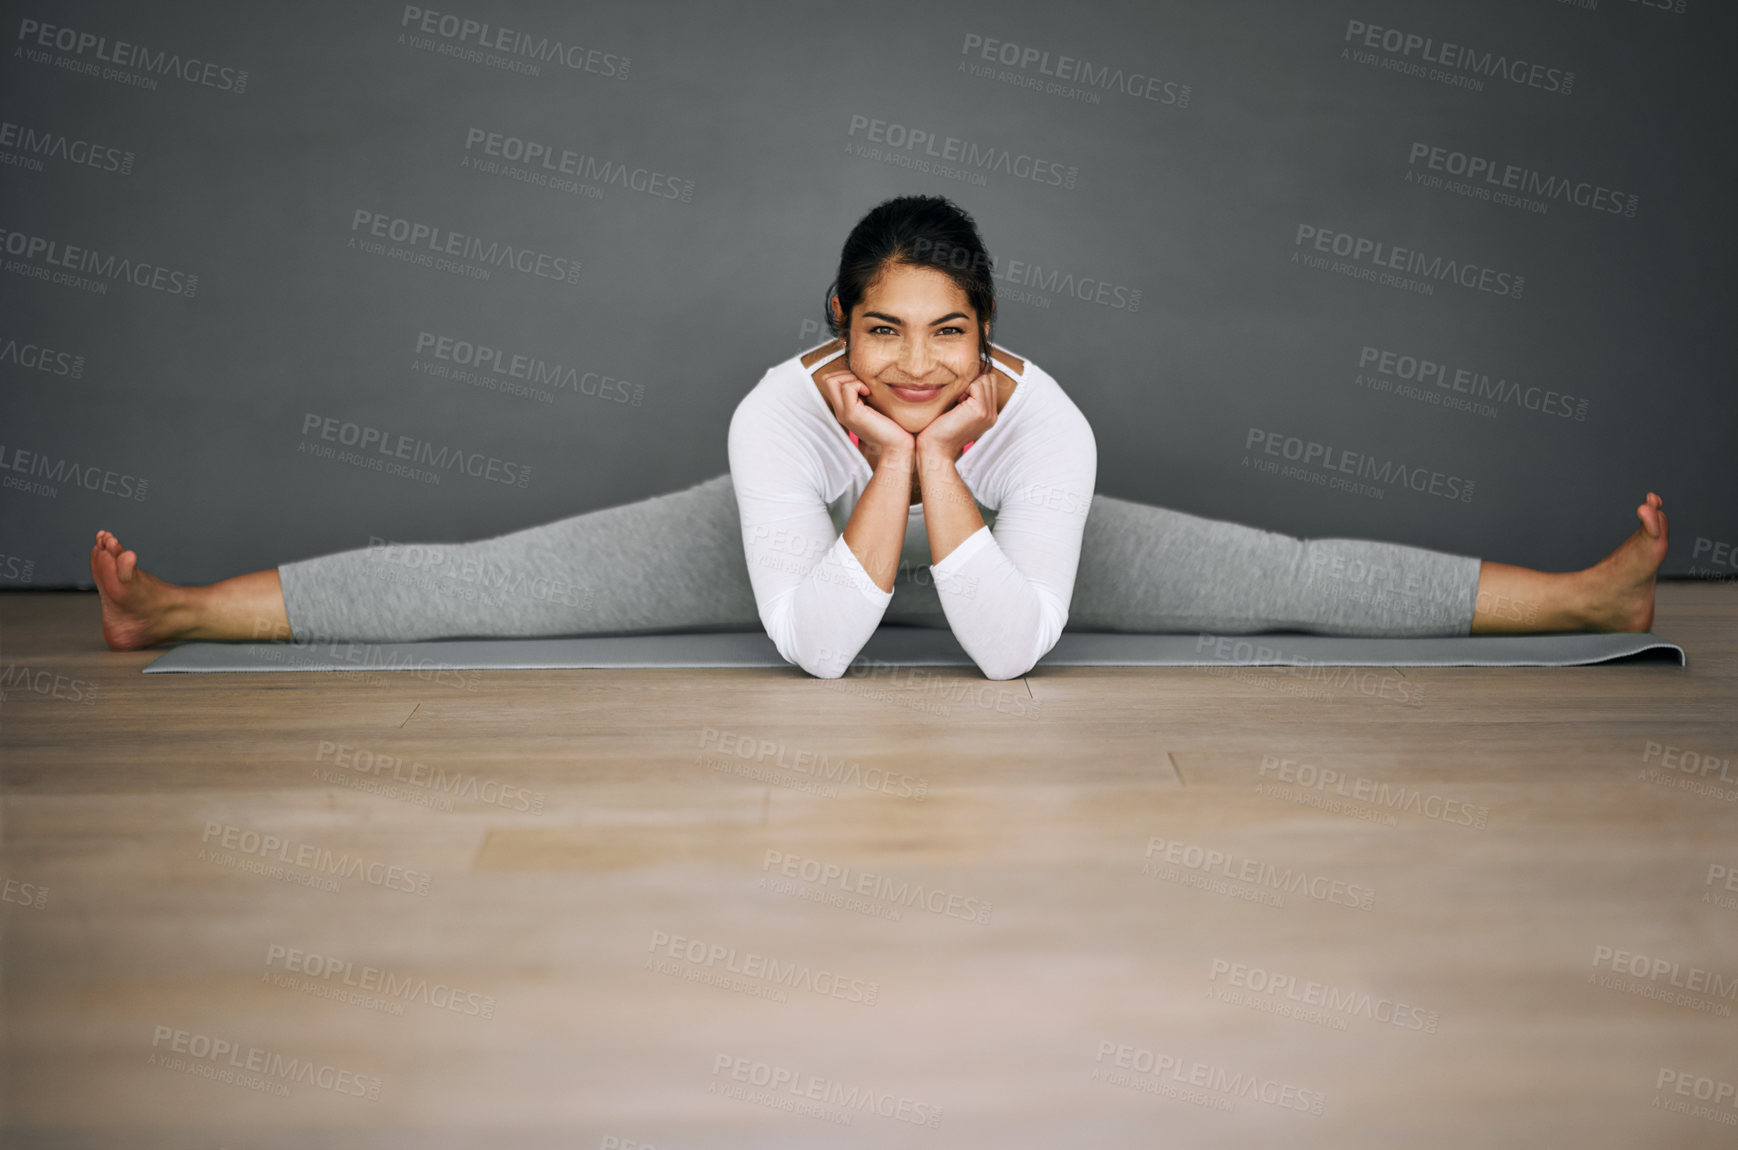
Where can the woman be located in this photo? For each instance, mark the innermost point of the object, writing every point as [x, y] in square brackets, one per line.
[906, 471]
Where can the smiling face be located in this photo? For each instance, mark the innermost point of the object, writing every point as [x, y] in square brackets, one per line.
[915, 341]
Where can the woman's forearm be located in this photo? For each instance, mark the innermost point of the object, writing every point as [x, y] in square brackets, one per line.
[876, 532]
[949, 512]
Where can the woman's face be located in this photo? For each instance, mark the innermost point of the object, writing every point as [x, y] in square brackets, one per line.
[914, 341]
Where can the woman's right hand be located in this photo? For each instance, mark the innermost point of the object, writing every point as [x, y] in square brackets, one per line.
[877, 433]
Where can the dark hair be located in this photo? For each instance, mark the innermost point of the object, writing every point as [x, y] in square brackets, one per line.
[922, 231]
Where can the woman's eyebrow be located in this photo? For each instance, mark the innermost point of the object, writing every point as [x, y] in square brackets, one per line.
[893, 319]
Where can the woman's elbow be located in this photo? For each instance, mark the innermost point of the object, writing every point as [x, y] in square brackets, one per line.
[822, 663]
[1012, 667]
[1004, 669]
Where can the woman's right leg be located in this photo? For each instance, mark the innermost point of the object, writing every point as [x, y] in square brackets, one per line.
[672, 562]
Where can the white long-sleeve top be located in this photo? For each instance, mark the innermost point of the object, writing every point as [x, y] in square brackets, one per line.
[1005, 589]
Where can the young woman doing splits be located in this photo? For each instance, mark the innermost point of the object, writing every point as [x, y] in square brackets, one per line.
[907, 471]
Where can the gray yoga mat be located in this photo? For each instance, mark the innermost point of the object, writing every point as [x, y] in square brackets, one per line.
[928, 647]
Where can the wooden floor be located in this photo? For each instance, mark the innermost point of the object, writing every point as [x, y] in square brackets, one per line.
[1117, 907]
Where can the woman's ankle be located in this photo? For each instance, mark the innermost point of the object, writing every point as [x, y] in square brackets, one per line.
[1517, 600]
[1581, 600]
[246, 608]
[181, 616]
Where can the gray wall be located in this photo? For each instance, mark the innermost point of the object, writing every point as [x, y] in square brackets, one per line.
[186, 282]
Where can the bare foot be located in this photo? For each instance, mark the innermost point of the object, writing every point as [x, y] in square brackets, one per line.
[139, 609]
[1619, 589]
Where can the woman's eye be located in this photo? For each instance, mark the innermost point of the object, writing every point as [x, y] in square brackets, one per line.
[880, 329]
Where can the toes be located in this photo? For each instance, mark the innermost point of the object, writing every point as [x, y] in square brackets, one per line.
[102, 567]
[125, 563]
[1651, 519]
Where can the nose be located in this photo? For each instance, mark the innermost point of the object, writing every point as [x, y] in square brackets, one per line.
[916, 361]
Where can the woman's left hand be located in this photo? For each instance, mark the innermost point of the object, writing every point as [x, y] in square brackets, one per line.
[972, 415]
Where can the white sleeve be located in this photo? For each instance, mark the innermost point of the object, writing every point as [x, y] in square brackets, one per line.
[817, 603]
[1006, 589]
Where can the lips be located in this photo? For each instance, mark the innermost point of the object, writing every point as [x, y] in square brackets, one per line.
[915, 394]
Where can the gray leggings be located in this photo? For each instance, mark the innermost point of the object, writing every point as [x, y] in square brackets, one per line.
[675, 562]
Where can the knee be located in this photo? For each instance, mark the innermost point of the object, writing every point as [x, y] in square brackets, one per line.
[1332, 559]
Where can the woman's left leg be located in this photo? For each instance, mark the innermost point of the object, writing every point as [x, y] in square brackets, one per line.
[1149, 569]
